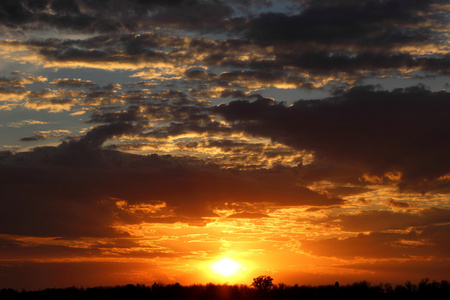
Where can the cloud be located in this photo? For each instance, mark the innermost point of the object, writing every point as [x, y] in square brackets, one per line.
[98, 135]
[88, 185]
[36, 137]
[356, 65]
[62, 15]
[20, 82]
[53, 105]
[78, 198]
[383, 245]
[375, 131]
[197, 15]
[392, 270]
[347, 23]
[397, 204]
[132, 114]
[78, 218]
[161, 58]
[12, 248]
[247, 215]
[380, 220]
[62, 99]
[248, 154]
[127, 52]
[48, 249]
[46, 134]
[59, 210]
[363, 201]
[75, 82]
[82, 273]
[339, 35]
[260, 78]
[27, 122]
[13, 89]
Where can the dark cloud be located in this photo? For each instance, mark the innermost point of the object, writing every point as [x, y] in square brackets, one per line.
[130, 115]
[72, 190]
[325, 62]
[343, 36]
[182, 116]
[384, 245]
[79, 201]
[346, 36]
[13, 248]
[87, 274]
[16, 249]
[47, 210]
[204, 15]
[397, 204]
[376, 130]
[436, 64]
[374, 220]
[252, 65]
[292, 60]
[172, 111]
[394, 271]
[61, 14]
[13, 12]
[127, 49]
[357, 23]
[99, 134]
[36, 137]
[113, 15]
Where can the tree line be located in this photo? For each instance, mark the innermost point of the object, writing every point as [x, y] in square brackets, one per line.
[261, 288]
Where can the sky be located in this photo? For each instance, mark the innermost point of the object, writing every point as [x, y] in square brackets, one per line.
[215, 141]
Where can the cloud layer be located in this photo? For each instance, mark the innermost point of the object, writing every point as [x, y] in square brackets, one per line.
[380, 132]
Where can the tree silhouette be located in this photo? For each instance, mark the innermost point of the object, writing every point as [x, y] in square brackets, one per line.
[263, 283]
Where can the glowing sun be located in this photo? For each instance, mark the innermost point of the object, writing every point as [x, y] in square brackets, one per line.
[226, 267]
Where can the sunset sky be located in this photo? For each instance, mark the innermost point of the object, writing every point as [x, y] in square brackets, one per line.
[215, 141]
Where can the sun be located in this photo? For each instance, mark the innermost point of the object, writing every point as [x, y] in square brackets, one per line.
[226, 267]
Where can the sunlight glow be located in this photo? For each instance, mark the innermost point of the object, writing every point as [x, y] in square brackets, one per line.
[226, 267]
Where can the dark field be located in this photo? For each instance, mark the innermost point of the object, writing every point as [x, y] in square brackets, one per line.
[363, 290]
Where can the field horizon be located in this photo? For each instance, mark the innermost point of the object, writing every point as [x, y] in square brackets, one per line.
[425, 288]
